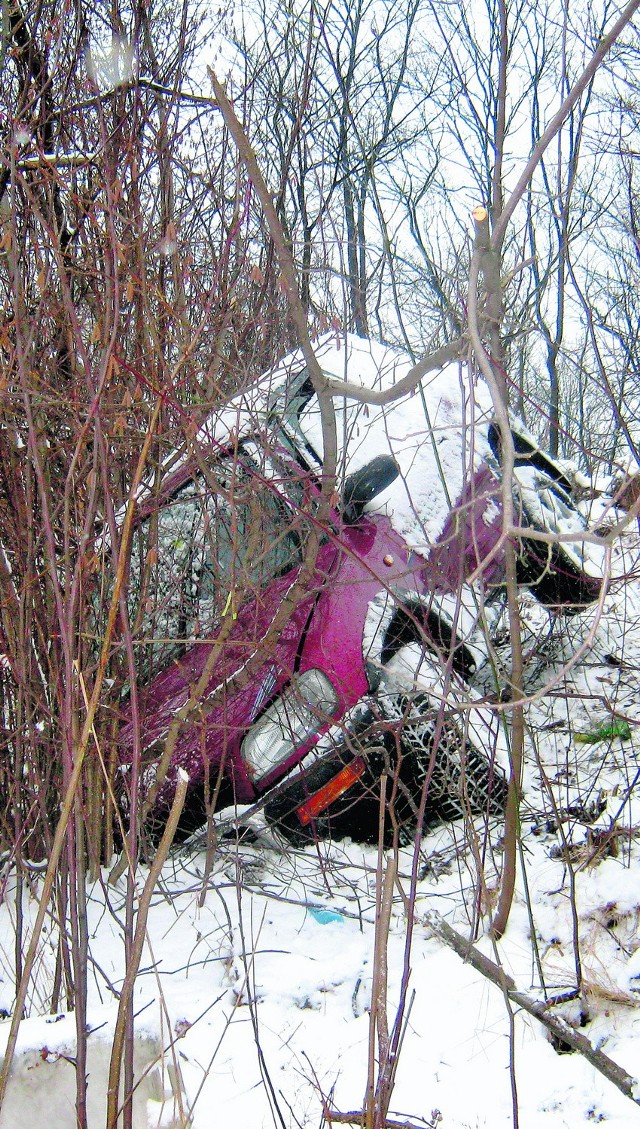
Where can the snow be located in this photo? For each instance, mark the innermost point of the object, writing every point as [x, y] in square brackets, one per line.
[268, 956]
[276, 947]
[42, 1086]
[437, 433]
[255, 985]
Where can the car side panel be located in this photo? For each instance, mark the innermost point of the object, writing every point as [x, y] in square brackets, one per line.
[247, 661]
[370, 558]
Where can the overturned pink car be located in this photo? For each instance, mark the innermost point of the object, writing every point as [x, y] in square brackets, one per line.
[298, 663]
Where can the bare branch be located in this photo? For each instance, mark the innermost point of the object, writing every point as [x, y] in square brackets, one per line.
[451, 352]
[559, 119]
[289, 275]
[485, 259]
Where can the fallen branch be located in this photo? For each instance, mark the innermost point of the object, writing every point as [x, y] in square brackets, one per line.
[356, 1115]
[540, 1009]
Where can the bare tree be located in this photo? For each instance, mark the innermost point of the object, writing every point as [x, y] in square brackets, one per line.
[159, 248]
[333, 102]
[131, 308]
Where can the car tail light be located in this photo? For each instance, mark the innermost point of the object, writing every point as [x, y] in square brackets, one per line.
[334, 788]
[304, 708]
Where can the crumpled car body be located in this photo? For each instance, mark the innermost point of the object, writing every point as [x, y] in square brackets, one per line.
[268, 676]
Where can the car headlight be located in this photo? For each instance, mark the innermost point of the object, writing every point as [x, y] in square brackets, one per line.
[305, 707]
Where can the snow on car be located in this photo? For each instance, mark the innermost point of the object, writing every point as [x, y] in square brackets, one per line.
[270, 648]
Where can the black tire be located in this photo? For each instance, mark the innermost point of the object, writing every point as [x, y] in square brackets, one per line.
[551, 570]
[462, 778]
[528, 453]
[399, 743]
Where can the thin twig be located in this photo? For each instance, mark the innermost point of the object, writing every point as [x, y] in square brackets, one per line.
[126, 994]
[558, 120]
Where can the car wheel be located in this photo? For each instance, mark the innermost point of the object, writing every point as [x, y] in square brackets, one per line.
[560, 574]
[462, 779]
[339, 796]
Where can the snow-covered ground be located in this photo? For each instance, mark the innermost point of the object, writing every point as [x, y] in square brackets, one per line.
[254, 993]
[256, 981]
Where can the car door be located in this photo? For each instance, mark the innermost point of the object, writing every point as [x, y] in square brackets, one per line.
[219, 610]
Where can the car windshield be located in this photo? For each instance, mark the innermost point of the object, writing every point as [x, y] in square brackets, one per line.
[222, 536]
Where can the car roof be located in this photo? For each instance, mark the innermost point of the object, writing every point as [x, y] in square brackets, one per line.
[437, 434]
